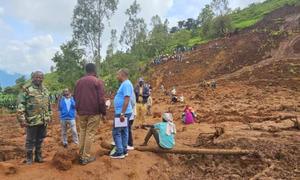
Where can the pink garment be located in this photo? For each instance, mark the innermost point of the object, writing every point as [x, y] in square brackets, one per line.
[189, 119]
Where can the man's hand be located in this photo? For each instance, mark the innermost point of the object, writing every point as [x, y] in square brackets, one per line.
[23, 125]
[103, 118]
[48, 121]
[122, 118]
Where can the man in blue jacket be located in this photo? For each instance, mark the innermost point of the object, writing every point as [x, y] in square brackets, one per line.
[67, 116]
[142, 90]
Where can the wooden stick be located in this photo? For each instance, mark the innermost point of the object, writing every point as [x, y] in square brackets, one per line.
[261, 174]
[188, 150]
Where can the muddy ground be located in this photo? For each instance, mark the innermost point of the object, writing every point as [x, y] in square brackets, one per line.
[252, 119]
[257, 103]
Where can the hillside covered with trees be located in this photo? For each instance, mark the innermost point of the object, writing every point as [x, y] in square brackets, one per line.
[140, 42]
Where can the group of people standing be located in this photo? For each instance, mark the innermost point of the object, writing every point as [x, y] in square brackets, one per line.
[89, 105]
[177, 57]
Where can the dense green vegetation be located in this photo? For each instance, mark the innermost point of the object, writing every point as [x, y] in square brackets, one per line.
[255, 12]
[8, 96]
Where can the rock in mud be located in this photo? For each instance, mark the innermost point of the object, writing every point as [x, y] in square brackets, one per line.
[8, 168]
[157, 114]
[65, 158]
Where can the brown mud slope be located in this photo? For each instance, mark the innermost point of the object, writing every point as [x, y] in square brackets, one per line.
[272, 42]
[257, 103]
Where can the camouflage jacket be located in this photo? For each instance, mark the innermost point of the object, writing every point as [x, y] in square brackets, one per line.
[34, 106]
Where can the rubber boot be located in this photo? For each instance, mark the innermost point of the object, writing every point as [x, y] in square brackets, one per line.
[29, 157]
[38, 156]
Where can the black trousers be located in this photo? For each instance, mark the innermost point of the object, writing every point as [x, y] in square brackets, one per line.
[153, 132]
[130, 139]
[145, 99]
[34, 137]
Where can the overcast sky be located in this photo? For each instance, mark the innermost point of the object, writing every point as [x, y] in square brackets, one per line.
[31, 31]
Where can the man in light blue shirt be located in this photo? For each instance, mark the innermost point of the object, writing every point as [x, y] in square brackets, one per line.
[123, 111]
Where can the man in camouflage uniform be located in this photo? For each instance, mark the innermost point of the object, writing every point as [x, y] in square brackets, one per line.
[34, 114]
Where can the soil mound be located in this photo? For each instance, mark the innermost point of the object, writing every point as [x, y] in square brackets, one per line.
[64, 158]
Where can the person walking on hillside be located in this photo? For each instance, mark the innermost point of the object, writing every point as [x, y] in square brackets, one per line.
[90, 106]
[123, 111]
[34, 113]
[67, 111]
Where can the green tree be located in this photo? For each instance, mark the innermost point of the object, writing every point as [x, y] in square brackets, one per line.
[158, 36]
[20, 82]
[53, 82]
[180, 24]
[0, 88]
[69, 63]
[13, 90]
[221, 26]
[113, 43]
[174, 29]
[135, 29]
[190, 24]
[89, 17]
[223, 23]
[220, 7]
[205, 19]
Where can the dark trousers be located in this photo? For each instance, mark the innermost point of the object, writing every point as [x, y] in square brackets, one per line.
[130, 139]
[145, 99]
[153, 132]
[34, 137]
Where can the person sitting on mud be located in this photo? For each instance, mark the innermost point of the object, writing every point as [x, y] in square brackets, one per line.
[163, 132]
[188, 115]
[213, 84]
[174, 98]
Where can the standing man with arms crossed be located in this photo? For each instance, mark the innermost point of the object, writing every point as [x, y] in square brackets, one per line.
[34, 113]
[123, 111]
[90, 106]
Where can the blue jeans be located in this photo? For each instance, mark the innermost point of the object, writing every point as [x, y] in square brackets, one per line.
[72, 124]
[120, 135]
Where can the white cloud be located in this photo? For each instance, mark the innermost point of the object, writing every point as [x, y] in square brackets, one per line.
[30, 55]
[44, 15]
[148, 10]
[5, 29]
[53, 17]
